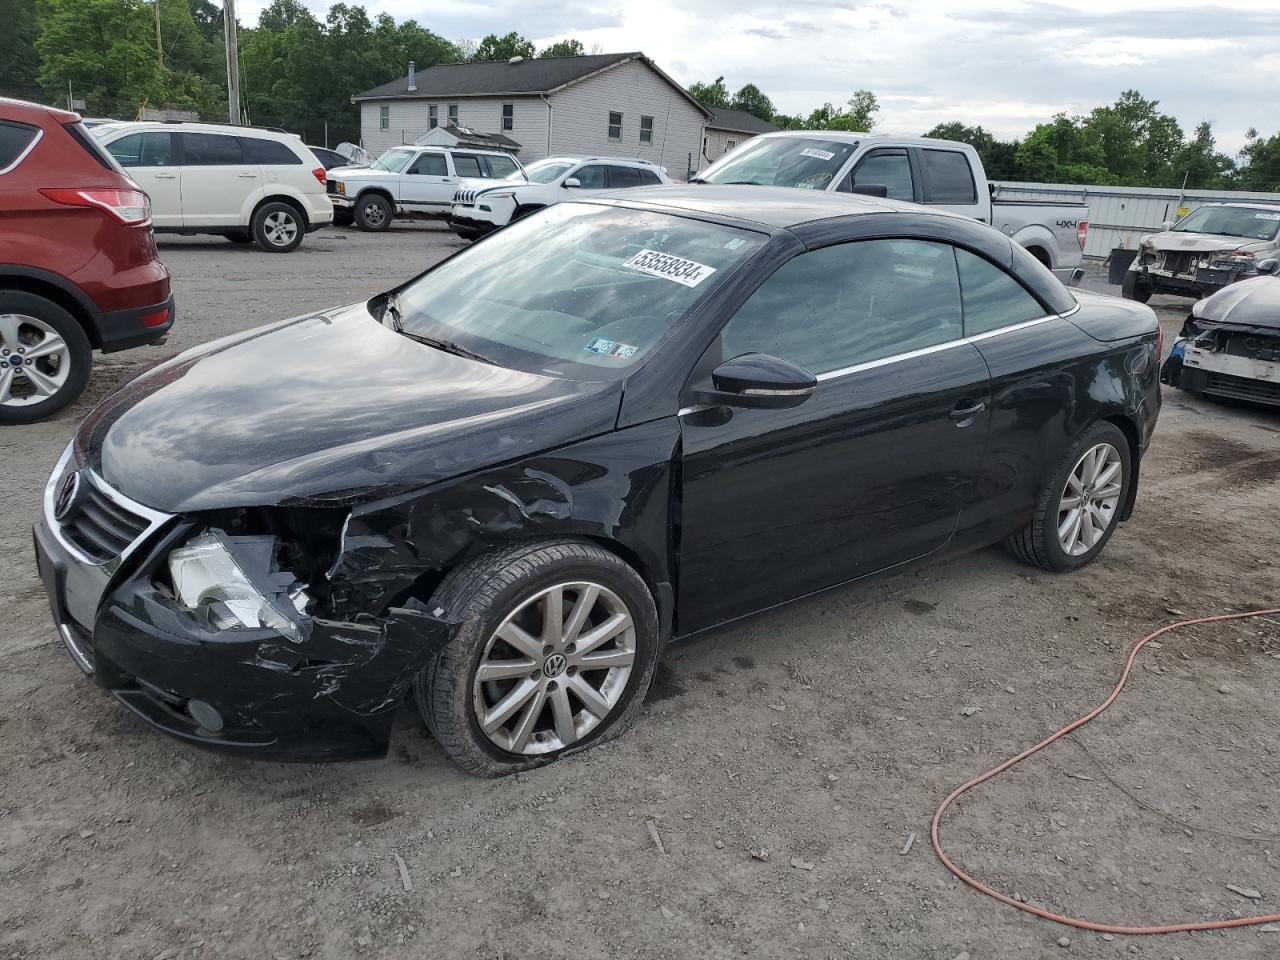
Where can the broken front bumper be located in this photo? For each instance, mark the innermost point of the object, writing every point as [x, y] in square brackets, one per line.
[332, 696]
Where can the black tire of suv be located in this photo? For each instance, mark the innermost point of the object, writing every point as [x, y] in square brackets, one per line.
[1037, 543]
[79, 354]
[1133, 289]
[480, 594]
[521, 212]
[373, 201]
[259, 226]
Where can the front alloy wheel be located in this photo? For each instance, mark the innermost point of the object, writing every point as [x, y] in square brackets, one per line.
[556, 647]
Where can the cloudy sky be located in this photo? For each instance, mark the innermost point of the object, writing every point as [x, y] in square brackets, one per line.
[1006, 65]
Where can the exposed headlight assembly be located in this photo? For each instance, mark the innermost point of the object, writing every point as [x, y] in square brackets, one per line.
[234, 582]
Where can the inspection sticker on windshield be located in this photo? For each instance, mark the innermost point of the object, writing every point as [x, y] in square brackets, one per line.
[1266, 216]
[611, 348]
[688, 272]
[816, 153]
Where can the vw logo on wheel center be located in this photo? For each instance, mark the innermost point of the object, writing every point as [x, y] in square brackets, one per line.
[554, 665]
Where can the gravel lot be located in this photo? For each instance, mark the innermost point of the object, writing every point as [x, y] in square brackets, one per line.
[825, 734]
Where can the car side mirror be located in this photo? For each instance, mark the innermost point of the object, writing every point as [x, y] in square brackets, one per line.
[1269, 267]
[1168, 224]
[571, 182]
[870, 189]
[759, 381]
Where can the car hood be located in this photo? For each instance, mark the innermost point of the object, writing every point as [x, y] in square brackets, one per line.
[481, 185]
[1254, 302]
[328, 408]
[362, 173]
[1203, 242]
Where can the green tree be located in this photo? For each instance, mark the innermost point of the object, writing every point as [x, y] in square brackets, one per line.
[494, 47]
[711, 94]
[753, 100]
[1260, 163]
[19, 61]
[1200, 162]
[1137, 141]
[564, 48]
[858, 115]
[1062, 152]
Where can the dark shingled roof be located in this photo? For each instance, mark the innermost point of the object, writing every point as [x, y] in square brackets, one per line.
[739, 121]
[491, 78]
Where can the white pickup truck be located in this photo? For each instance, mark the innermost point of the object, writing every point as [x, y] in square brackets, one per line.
[940, 173]
[413, 181]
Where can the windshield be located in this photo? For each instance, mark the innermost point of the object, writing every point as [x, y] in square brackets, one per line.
[782, 162]
[1249, 223]
[544, 171]
[393, 161]
[580, 291]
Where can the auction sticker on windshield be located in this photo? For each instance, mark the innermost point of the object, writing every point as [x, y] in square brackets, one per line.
[816, 153]
[687, 272]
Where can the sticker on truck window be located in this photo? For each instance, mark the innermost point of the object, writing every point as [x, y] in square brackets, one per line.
[690, 273]
[1266, 216]
[611, 348]
[816, 153]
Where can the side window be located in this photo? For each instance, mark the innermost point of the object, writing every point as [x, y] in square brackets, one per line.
[453, 114]
[648, 178]
[508, 116]
[502, 168]
[992, 298]
[591, 176]
[127, 150]
[430, 165]
[623, 177]
[615, 125]
[14, 140]
[947, 177]
[157, 149]
[384, 117]
[270, 153]
[851, 303]
[467, 165]
[887, 168]
[210, 150]
[646, 129]
[433, 116]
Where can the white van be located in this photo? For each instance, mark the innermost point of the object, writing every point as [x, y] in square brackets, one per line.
[244, 183]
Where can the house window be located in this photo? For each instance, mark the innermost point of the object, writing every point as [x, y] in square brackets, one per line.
[508, 116]
[384, 118]
[646, 129]
[729, 145]
[615, 126]
[433, 117]
[453, 114]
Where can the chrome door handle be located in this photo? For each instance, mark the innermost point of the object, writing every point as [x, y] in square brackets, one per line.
[166, 176]
[247, 176]
[963, 414]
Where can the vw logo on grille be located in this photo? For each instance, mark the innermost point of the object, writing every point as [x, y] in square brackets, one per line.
[555, 665]
[68, 495]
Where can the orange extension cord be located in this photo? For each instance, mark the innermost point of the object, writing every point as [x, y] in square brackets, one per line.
[1112, 928]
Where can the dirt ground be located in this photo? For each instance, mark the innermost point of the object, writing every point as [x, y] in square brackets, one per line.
[825, 734]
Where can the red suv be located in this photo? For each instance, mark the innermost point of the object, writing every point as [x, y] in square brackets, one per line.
[79, 269]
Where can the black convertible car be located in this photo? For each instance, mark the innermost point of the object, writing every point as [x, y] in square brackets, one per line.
[505, 486]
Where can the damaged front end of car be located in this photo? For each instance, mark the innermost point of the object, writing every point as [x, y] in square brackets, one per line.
[1238, 361]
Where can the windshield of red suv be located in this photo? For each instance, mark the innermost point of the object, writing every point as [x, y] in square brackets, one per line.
[804, 162]
[1249, 223]
[578, 290]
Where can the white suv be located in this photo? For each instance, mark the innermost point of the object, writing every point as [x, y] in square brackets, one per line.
[412, 181]
[480, 208]
[244, 183]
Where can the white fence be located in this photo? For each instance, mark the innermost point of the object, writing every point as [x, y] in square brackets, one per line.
[1119, 216]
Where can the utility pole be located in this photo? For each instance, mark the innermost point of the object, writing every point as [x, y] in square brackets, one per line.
[233, 59]
[159, 45]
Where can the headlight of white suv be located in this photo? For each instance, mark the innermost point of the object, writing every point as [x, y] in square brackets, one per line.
[234, 582]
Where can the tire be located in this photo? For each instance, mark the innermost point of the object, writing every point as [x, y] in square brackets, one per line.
[1132, 289]
[278, 227]
[240, 237]
[27, 323]
[468, 235]
[521, 212]
[506, 585]
[1039, 543]
[373, 213]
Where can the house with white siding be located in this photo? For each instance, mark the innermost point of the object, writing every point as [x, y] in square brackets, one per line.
[728, 128]
[609, 105]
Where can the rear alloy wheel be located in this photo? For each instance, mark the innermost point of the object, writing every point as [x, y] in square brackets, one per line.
[557, 648]
[277, 228]
[45, 358]
[1080, 506]
[373, 213]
